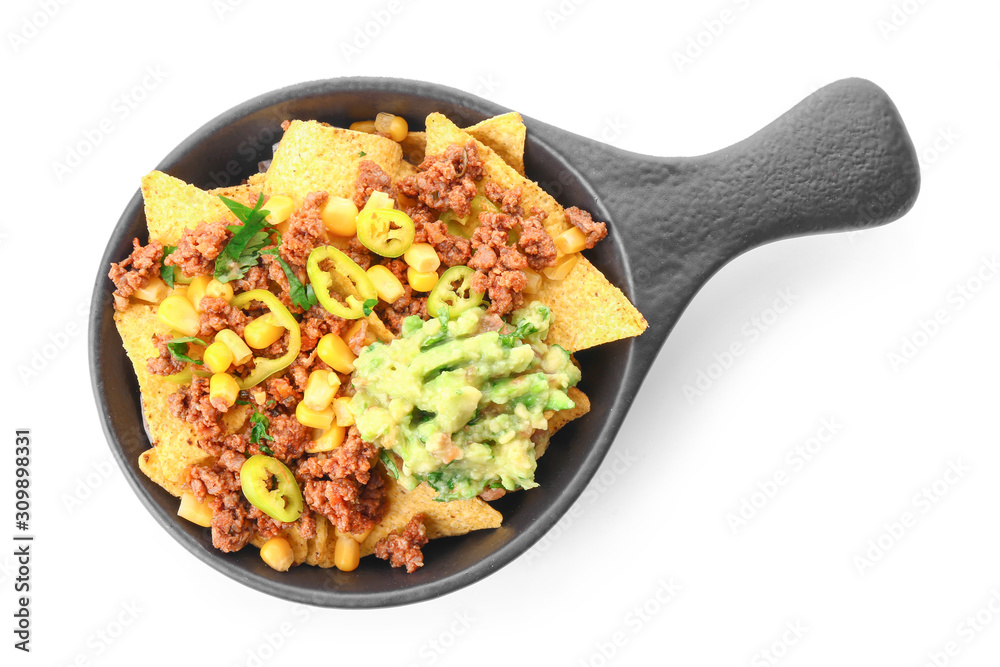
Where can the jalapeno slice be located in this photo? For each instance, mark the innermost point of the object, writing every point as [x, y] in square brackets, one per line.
[385, 231]
[458, 298]
[263, 367]
[323, 284]
[284, 500]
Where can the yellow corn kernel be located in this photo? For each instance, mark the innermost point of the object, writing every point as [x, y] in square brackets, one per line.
[341, 412]
[263, 332]
[229, 338]
[320, 389]
[387, 285]
[353, 329]
[334, 352]
[277, 553]
[154, 291]
[570, 241]
[562, 268]
[218, 357]
[280, 208]
[329, 439]
[422, 257]
[218, 290]
[195, 512]
[196, 290]
[179, 290]
[421, 282]
[378, 199]
[357, 537]
[366, 126]
[347, 554]
[178, 314]
[394, 127]
[314, 418]
[340, 216]
[533, 281]
[224, 386]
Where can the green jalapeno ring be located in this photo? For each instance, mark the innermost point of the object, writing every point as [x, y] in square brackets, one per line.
[322, 282]
[376, 231]
[264, 367]
[284, 501]
[445, 295]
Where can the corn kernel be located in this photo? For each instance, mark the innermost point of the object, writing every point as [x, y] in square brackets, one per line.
[178, 314]
[218, 357]
[342, 412]
[263, 332]
[357, 537]
[219, 290]
[347, 554]
[387, 285]
[196, 291]
[329, 439]
[314, 418]
[224, 386]
[378, 199]
[280, 208]
[366, 126]
[334, 352]
[533, 281]
[562, 268]
[570, 241]
[229, 338]
[394, 127]
[180, 290]
[421, 282]
[340, 216]
[277, 553]
[154, 291]
[195, 512]
[422, 257]
[320, 389]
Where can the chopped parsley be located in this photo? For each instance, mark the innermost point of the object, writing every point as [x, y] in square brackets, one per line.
[178, 348]
[259, 424]
[168, 272]
[389, 462]
[524, 329]
[243, 249]
[362, 154]
[368, 305]
[301, 295]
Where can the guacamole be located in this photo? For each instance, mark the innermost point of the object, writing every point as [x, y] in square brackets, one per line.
[460, 405]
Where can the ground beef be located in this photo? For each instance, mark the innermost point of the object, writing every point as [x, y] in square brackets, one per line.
[216, 315]
[538, 247]
[290, 437]
[357, 341]
[277, 275]
[353, 459]
[498, 266]
[509, 201]
[305, 231]
[447, 180]
[490, 495]
[255, 278]
[165, 364]
[282, 392]
[410, 303]
[192, 404]
[316, 323]
[371, 177]
[198, 248]
[134, 271]
[359, 253]
[595, 231]
[404, 550]
[453, 250]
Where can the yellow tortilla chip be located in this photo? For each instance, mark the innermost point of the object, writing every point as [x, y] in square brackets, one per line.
[504, 134]
[172, 206]
[563, 417]
[245, 194]
[313, 156]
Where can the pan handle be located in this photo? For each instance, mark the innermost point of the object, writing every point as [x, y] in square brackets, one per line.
[839, 160]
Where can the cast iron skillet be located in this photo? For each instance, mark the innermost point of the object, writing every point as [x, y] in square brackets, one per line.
[839, 160]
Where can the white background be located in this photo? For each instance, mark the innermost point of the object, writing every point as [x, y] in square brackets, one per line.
[110, 587]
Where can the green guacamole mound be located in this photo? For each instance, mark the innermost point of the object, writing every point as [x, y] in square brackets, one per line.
[460, 405]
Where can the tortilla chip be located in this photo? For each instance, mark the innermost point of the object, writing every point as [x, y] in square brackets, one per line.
[563, 417]
[245, 194]
[504, 134]
[172, 206]
[312, 156]
[456, 517]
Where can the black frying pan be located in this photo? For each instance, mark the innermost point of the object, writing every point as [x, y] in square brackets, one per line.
[839, 160]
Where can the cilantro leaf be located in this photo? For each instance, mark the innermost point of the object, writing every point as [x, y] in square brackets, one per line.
[525, 328]
[435, 339]
[259, 424]
[389, 462]
[368, 305]
[167, 272]
[301, 295]
[178, 348]
[362, 154]
[243, 249]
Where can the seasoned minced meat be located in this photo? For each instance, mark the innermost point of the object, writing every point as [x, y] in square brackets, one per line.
[134, 271]
[216, 315]
[199, 247]
[594, 231]
[305, 231]
[165, 364]
[371, 177]
[498, 266]
[192, 404]
[538, 247]
[403, 550]
[447, 180]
